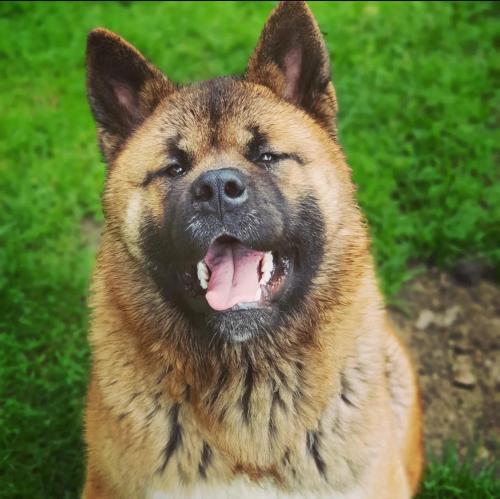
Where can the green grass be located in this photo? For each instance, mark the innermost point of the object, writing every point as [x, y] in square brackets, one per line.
[449, 477]
[417, 91]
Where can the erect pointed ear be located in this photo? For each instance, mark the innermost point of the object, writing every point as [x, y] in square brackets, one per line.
[292, 60]
[123, 88]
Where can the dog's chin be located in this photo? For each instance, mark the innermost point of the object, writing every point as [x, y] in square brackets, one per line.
[241, 325]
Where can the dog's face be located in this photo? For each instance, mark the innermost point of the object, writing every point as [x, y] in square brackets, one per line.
[230, 194]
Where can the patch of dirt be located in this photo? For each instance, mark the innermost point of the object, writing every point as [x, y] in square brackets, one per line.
[453, 331]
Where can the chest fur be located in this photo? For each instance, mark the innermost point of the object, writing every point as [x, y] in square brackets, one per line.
[251, 434]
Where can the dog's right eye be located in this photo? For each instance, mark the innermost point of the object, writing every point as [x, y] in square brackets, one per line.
[175, 170]
[267, 159]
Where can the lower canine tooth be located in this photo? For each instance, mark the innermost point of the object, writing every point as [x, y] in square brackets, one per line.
[265, 277]
[267, 262]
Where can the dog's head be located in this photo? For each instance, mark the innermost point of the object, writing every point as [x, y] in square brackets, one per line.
[232, 195]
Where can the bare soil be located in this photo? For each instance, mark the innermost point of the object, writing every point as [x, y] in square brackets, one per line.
[453, 331]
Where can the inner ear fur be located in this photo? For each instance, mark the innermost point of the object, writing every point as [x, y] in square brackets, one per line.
[292, 60]
[123, 88]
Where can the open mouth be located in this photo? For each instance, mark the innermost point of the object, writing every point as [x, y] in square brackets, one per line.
[235, 277]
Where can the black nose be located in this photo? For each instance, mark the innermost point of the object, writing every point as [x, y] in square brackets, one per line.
[219, 191]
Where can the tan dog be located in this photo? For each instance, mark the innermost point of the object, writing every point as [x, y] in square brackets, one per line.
[240, 345]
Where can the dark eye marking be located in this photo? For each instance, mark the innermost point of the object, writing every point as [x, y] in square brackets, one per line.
[178, 155]
[178, 163]
[259, 151]
[257, 144]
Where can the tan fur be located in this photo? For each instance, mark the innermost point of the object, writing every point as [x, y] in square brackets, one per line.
[333, 409]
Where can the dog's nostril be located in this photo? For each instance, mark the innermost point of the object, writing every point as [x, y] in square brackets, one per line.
[233, 189]
[204, 192]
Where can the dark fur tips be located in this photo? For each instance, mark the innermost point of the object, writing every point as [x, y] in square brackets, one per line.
[206, 458]
[312, 444]
[175, 438]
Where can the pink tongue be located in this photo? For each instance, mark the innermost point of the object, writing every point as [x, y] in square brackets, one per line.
[234, 274]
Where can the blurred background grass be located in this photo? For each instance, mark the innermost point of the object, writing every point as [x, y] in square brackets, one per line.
[418, 90]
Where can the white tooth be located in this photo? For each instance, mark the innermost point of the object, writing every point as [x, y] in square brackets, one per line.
[266, 267]
[267, 262]
[202, 271]
[265, 277]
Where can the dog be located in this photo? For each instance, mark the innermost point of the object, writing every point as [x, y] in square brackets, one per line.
[240, 347]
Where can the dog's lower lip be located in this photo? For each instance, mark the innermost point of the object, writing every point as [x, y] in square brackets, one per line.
[246, 306]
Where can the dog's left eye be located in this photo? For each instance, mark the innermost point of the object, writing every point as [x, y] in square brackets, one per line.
[267, 158]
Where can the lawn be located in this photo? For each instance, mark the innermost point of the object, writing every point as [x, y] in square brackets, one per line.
[418, 90]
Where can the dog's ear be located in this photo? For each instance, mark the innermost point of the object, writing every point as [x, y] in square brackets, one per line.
[123, 88]
[292, 60]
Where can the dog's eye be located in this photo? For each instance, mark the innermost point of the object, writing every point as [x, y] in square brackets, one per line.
[267, 158]
[175, 170]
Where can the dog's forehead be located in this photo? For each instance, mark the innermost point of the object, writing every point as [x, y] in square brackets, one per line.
[222, 112]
